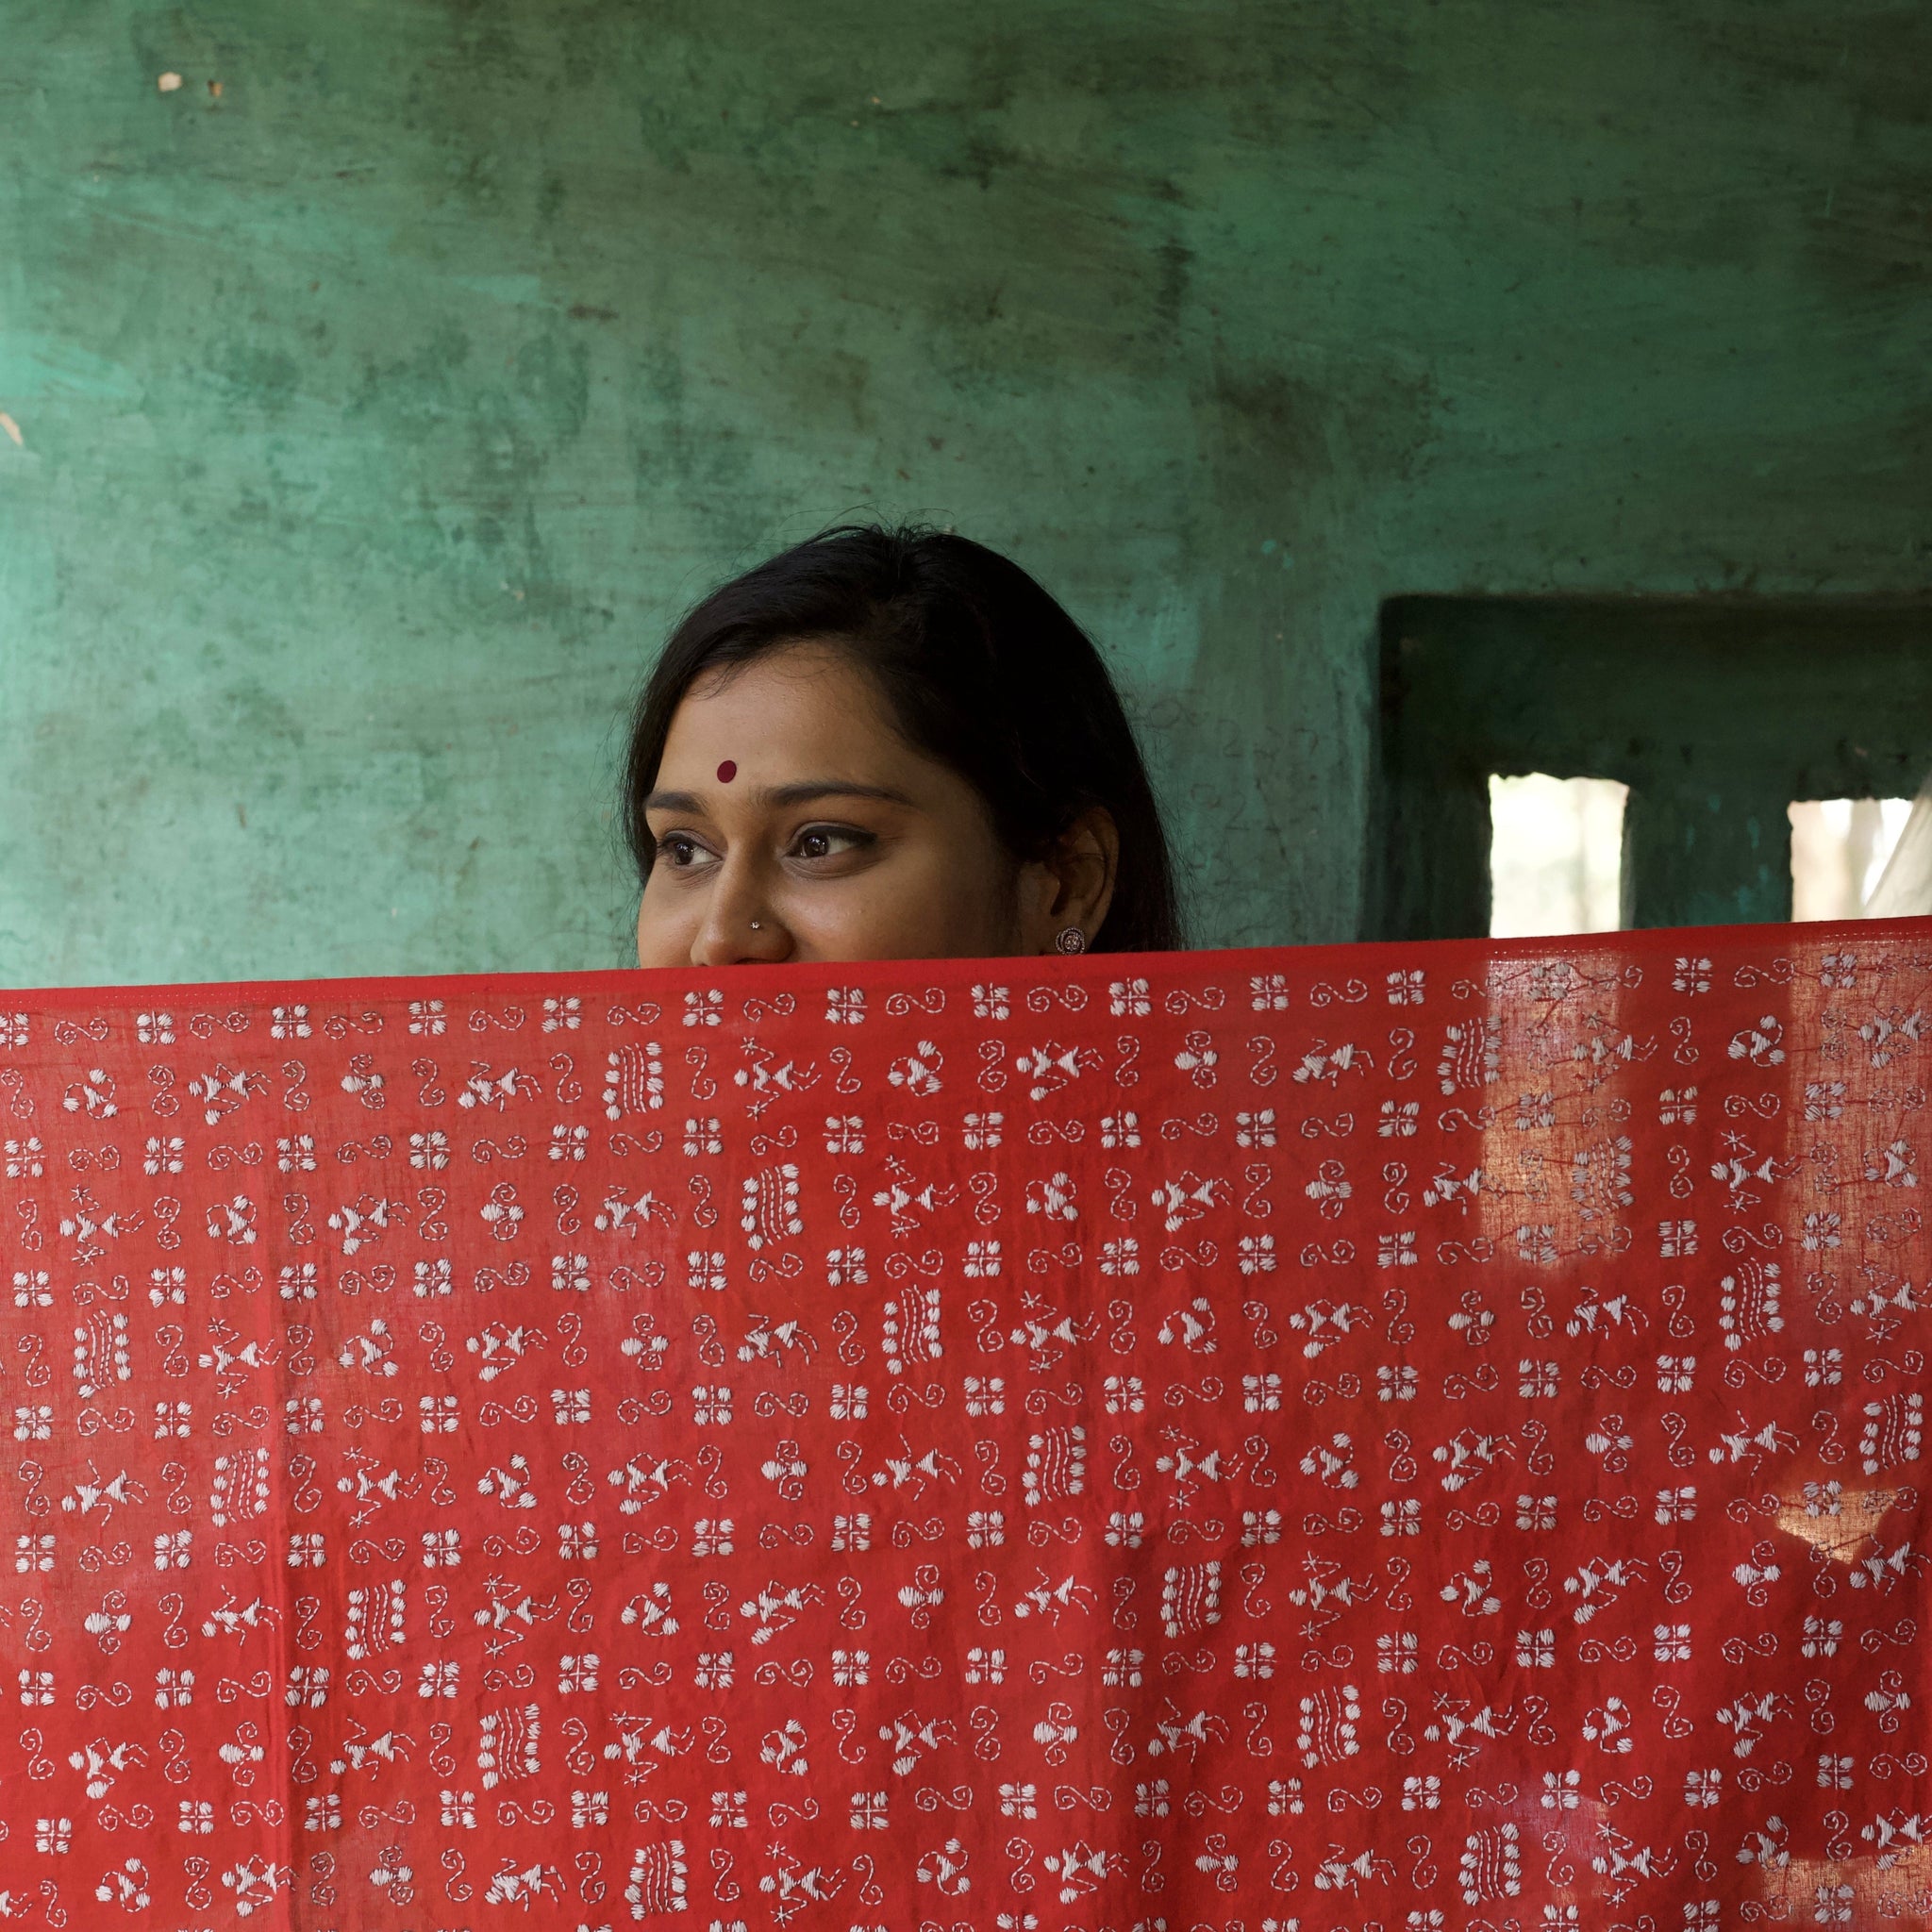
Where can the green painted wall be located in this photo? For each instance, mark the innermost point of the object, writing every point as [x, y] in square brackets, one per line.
[377, 415]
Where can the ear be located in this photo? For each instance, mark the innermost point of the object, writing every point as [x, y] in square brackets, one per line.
[1073, 885]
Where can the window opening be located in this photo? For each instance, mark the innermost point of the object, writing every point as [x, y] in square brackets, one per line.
[1556, 855]
[1716, 711]
[1840, 850]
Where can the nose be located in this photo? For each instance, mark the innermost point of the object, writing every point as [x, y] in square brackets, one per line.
[739, 928]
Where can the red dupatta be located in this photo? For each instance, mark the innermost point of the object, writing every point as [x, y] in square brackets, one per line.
[1399, 1436]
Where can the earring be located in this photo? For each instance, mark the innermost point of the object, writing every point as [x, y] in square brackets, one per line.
[1069, 939]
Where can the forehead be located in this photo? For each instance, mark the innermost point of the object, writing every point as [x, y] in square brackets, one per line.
[805, 706]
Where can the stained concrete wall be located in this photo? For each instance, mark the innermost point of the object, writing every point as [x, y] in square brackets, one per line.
[376, 414]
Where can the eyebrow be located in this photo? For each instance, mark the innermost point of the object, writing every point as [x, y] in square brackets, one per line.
[805, 793]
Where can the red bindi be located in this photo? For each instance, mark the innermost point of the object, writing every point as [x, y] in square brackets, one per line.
[727, 771]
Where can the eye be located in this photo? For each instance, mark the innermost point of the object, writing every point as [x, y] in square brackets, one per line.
[830, 841]
[680, 851]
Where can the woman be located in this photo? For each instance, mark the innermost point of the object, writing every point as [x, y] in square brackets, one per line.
[888, 744]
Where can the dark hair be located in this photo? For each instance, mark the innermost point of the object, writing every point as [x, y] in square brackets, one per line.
[980, 668]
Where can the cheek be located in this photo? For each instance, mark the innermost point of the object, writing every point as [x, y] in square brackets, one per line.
[949, 903]
[663, 936]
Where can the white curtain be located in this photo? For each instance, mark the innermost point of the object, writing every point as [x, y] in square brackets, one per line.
[1904, 886]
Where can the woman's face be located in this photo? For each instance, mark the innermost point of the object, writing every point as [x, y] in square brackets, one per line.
[793, 823]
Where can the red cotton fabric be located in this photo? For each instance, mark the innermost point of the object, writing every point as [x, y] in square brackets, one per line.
[1374, 1438]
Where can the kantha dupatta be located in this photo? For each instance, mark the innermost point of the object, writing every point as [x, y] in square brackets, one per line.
[1420, 1436]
